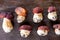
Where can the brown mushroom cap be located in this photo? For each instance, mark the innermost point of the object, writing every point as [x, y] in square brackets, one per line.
[9, 15]
[6, 15]
[25, 27]
[37, 10]
[56, 26]
[43, 28]
[20, 11]
[51, 9]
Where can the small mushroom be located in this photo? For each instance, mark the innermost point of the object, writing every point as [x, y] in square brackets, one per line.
[7, 24]
[21, 13]
[52, 14]
[57, 29]
[42, 30]
[25, 30]
[37, 17]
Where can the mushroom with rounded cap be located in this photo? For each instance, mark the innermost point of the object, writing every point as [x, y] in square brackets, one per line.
[21, 13]
[52, 13]
[7, 24]
[57, 29]
[42, 30]
[37, 17]
[25, 30]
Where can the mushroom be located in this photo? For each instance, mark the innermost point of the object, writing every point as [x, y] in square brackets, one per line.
[21, 13]
[42, 30]
[52, 13]
[37, 17]
[57, 29]
[7, 24]
[25, 30]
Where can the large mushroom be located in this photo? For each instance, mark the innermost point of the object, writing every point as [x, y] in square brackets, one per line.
[52, 13]
[25, 30]
[7, 24]
[57, 29]
[37, 17]
[42, 30]
[21, 14]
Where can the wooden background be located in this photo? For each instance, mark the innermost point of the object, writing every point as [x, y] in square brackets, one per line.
[10, 5]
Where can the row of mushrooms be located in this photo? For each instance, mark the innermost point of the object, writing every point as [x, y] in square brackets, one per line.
[25, 30]
[37, 14]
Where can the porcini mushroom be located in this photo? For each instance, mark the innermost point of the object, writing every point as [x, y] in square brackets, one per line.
[21, 14]
[25, 30]
[52, 13]
[37, 17]
[42, 30]
[57, 29]
[7, 24]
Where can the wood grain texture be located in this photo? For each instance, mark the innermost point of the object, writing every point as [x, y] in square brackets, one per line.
[10, 5]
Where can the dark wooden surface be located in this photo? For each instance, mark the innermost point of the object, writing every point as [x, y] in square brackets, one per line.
[10, 5]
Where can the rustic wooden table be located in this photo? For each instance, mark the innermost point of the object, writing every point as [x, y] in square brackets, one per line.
[10, 5]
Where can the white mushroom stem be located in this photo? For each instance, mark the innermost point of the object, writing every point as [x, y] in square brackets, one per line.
[7, 25]
[20, 19]
[37, 17]
[24, 33]
[57, 31]
[42, 32]
[52, 16]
